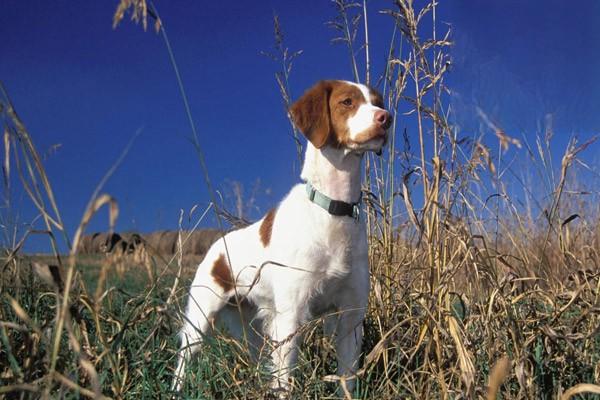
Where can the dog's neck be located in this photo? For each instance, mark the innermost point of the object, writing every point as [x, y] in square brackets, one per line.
[333, 172]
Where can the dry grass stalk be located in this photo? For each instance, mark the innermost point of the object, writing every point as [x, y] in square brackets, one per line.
[581, 388]
[139, 12]
[497, 376]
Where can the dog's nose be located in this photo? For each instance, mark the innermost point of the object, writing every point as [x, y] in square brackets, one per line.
[383, 119]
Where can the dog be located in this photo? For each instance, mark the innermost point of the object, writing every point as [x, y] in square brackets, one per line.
[308, 256]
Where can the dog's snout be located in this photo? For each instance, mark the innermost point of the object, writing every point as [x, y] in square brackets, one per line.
[383, 119]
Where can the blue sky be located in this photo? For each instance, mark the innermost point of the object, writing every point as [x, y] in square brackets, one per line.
[77, 82]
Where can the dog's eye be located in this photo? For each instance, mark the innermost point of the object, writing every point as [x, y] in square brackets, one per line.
[347, 102]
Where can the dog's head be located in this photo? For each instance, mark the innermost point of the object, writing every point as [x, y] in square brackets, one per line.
[342, 114]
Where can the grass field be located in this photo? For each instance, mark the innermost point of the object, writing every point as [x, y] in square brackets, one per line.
[477, 292]
[414, 347]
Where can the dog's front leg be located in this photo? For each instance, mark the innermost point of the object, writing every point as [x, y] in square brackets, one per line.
[285, 337]
[352, 307]
[348, 343]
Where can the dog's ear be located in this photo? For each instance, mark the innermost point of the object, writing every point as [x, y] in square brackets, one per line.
[311, 113]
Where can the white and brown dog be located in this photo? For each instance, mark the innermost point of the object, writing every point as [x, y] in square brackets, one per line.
[307, 256]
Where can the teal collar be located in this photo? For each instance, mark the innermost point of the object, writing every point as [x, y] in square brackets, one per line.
[333, 207]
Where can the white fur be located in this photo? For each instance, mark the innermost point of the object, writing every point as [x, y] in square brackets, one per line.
[315, 264]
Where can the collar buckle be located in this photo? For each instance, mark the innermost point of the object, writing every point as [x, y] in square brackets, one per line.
[356, 211]
[311, 192]
[333, 207]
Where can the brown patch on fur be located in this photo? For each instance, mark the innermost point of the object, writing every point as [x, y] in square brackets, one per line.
[376, 98]
[311, 113]
[266, 227]
[341, 111]
[222, 274]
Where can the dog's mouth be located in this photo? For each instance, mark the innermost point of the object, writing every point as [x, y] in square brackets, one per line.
[373, 139]
[379, 152]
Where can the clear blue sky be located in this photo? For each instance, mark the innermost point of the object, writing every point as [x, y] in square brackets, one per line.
[77, 82]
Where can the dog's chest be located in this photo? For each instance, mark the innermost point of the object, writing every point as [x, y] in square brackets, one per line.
[334, 248]
[313, 239]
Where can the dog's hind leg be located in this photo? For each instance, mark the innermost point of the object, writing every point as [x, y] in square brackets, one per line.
[211, 288]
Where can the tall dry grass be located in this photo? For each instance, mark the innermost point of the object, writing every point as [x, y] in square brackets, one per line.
[480, 290]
